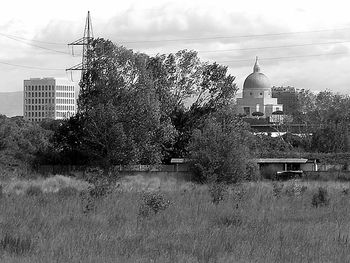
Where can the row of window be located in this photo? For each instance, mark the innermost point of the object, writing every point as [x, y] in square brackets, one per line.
[48, 94]
[65, 94]
[47, 114]
[39, 107]
[47, 87]
[39, 114]
[65, 107]
[65, 88]
[38, 94]
[38, 101]
[65, 101]
[42, 101]
[38, 88]
[36, 119]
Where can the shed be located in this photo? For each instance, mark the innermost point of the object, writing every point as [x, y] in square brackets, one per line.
[270, 166]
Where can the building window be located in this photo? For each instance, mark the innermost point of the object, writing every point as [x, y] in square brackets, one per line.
[246, 111]
[260, 93]
[251, 93]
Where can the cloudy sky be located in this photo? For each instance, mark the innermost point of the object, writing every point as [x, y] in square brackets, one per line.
[300, 43]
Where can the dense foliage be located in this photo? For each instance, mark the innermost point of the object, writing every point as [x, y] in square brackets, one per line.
[138, 109]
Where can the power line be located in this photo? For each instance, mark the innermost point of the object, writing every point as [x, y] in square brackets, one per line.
[30, 67]
[33, 40]
[285, 57]
[229, 37]
[33, 45]
[273, 47]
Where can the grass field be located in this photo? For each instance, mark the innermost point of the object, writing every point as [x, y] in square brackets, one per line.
[255, 222]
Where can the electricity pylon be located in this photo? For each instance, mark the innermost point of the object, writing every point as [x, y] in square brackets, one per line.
[85, 41]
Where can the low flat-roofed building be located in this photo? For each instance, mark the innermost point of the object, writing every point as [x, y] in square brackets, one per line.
[270, 166]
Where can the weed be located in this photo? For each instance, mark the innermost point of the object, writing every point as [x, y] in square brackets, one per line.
[16, 245]
[87, 202]
[217, 192]
[229, 220]
[277, 189]
[152, 202]
[100, 190]
[345, 191]
[320, 198]
[34, 190]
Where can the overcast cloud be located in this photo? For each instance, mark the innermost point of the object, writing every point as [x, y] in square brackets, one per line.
[296, 62]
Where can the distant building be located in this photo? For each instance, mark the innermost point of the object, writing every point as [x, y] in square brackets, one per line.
[256, 97]
[48, 98]
[288, 96]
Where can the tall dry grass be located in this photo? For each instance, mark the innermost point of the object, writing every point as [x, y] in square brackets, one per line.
[250, 224]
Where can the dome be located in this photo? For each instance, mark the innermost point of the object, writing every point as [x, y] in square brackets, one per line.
[257, 80]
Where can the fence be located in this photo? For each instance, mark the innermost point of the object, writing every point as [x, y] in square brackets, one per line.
[69, 169]
[327, 175]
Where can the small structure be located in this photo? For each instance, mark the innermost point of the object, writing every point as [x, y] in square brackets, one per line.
[270, 167]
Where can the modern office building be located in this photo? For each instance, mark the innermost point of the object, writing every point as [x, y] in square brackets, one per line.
[48, 98]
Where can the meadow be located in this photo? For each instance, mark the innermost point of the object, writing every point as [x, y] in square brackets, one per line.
[251, 222]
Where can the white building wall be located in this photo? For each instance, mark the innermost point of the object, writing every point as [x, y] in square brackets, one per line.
[48, 98]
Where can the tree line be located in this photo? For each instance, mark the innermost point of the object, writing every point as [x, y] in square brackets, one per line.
[140, 109]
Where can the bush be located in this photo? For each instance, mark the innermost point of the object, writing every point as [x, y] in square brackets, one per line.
[277, 189]
[345, 191]
[228, 221]
[252, 171]
[217, 192]
[152, 202]
[34, 190]
[87, 202]
[219, 150]
[320, 198]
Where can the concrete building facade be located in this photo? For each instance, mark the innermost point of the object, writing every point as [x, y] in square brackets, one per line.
[48, 98]
[287, 96]
[256, 96]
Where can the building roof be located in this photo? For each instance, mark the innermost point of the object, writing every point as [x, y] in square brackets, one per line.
[257, 80]
[281, 160]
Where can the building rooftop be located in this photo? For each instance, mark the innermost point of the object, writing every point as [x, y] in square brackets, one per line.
[281, 160]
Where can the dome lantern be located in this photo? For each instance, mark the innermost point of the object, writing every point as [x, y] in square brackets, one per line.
[257, 80]
[256, 66]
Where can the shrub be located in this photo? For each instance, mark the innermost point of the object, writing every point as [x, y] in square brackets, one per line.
[345, 191]
[277, 189]
[252, 171]
[16, 245]
[152, 202]
[217, 192]
[33, 190]
[218, 151]
[87, 202]
[229, 220]
[320, 198]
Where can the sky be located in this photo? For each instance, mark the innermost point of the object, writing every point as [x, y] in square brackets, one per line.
[300, 43]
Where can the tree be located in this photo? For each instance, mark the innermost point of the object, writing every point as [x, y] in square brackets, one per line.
[219, 150]
[188, 90]
[120, 117]
[21, 141]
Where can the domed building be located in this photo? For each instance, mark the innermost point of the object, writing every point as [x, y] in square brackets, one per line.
[256, 97]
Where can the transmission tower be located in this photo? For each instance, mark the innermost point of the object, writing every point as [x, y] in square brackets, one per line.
[85, 41]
